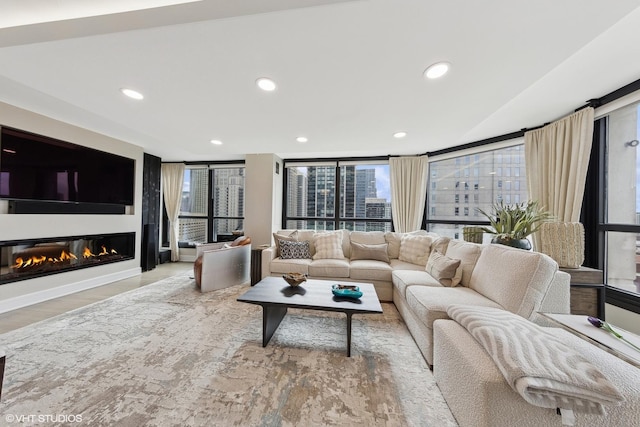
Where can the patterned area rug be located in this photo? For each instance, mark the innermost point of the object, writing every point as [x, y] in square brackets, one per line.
[167, 355]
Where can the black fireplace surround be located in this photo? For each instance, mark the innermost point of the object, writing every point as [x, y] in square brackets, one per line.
[30, 258]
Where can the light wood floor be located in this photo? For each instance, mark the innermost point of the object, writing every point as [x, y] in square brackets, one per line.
[34, 313]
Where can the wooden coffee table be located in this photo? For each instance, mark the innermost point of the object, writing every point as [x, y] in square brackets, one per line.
[276, 296]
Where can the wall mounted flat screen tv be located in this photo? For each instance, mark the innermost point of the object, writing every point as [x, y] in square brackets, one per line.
[36, 167]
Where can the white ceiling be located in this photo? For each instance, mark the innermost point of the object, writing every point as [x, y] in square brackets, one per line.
[349, 73]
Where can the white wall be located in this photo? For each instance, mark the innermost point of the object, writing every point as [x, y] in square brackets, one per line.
[12, 227]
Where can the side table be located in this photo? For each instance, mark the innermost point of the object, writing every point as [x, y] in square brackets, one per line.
[256, 263]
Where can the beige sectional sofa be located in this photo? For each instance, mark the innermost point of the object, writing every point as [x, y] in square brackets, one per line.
[489, 275]
[345, 267]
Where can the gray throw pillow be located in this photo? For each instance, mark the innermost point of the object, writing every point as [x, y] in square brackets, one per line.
[374, 252]
[443, 269]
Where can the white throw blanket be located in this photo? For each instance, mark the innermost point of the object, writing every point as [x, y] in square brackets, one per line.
[537, 365]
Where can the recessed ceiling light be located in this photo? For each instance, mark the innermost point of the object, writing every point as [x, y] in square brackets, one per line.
[400, 134]
[216, 142]
[133, 94]
[266, 84]
[437, 70]
[302, 139]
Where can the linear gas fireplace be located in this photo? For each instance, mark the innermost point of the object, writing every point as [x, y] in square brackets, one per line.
[27, 259]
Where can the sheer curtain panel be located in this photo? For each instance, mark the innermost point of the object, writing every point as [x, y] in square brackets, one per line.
[408, 191]
[172, 181]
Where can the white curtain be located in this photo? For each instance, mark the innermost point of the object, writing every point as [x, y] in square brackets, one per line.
[557, 158]
[408, 191]
[172, 181]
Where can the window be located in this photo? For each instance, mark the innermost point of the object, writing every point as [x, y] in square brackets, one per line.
[194, 207]
[228, 203]
[220, 218]
[333, 195]
[622, 204]
[487, 188]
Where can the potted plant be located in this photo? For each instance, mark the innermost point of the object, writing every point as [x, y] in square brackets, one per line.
[511, 224]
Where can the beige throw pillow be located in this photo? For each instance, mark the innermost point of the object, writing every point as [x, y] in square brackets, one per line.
[328, 246]
[374, 252]
[293, 237]
[415, 249]
[444, 269]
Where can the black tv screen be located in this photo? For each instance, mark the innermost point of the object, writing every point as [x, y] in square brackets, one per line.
[35, 167]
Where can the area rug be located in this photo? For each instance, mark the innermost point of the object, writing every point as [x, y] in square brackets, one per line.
[167, 355]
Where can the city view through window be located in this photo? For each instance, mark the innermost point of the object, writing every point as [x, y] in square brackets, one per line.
[227, 205]
[461, 185]
[362, 203]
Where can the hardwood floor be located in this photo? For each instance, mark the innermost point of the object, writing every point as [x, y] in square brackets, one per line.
[34, 313]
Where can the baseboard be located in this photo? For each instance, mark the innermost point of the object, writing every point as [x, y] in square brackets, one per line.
[60, 291]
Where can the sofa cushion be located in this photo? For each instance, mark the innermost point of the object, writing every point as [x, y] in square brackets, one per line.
[329, 268]
[443, 268]
[514, 278]
[328, 246]
[394, 239]
[431, 303]
[373, 252]
[396, 264]
[402, 279]
[415, 249]
[284, 235]
[468, 254]
[370, 270]
[368, 237]
[294, 250]
[279, 265]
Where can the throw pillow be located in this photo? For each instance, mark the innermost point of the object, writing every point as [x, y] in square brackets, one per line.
[294, 250]
[415, 249]
[293, 237]
[374, 252]
[443, 268]
[328, 246]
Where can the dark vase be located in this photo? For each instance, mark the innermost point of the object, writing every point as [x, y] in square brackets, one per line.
[514, 243]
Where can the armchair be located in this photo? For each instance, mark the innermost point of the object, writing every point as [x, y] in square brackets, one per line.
[220, 265]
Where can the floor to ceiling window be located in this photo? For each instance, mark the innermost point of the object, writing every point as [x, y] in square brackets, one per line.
[459, 185]
[212, 207]
[353, 195]
[622, 201]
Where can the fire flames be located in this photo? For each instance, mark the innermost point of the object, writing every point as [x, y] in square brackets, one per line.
[65, 256]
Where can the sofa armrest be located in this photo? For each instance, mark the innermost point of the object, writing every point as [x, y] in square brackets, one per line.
[557, 299]
[203, 247]
[268, 255]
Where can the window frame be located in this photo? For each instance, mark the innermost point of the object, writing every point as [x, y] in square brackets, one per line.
[210, 166]
[336, 219]
[458, 155]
